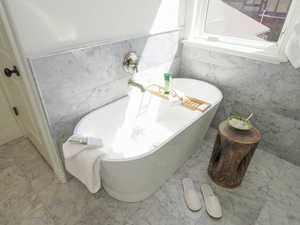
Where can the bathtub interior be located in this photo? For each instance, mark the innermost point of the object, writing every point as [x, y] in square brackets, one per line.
[140, 123]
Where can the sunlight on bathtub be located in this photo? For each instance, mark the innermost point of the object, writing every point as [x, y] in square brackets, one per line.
[140, 131]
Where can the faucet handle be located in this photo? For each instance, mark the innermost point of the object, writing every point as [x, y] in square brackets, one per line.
[131, 63]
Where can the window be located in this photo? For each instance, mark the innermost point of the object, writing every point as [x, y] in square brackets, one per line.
[241, 25]
[249, 19]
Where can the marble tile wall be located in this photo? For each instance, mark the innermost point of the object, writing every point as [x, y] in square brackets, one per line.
[75, 82]
[271, 92]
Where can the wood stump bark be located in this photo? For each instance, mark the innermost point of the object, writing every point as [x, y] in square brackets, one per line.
[232, 154]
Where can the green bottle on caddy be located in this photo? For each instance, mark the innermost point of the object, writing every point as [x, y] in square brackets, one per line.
[168, 80]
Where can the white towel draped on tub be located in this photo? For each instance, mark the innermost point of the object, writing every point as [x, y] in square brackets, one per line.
[84, 163]
[292, 50]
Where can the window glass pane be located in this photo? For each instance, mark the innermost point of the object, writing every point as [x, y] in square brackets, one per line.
[250, 19]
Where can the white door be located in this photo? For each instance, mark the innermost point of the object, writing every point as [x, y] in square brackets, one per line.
[9, 129]
[13, 87]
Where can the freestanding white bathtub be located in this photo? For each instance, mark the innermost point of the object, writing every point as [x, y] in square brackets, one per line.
[148, 138]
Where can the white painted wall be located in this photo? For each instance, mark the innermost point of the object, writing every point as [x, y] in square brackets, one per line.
[47, 25]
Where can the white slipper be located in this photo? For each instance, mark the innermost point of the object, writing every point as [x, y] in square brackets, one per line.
[191, 196]
[212, 203]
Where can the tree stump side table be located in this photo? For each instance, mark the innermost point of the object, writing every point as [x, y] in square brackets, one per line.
[232, 153]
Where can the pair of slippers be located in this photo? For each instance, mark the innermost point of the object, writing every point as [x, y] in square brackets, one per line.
[192, 199]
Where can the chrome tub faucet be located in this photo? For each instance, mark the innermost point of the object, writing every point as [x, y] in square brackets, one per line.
[137, 85]
[130, 65]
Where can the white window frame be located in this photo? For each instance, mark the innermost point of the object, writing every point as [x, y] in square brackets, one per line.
[273, 52]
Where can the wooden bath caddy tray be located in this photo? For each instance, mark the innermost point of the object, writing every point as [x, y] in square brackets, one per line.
[189, 102]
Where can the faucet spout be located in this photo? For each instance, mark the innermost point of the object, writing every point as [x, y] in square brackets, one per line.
[137, 85]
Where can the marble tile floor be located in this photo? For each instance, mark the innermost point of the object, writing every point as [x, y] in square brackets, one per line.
[31, 195]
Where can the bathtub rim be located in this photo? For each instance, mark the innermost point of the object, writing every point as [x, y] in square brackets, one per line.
[165, 141]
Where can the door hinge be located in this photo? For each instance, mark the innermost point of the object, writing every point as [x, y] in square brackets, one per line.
[16, 111]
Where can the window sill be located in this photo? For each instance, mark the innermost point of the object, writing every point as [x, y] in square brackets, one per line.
[270, 55]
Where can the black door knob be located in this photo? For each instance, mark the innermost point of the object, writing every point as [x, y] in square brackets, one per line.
[8, 72]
